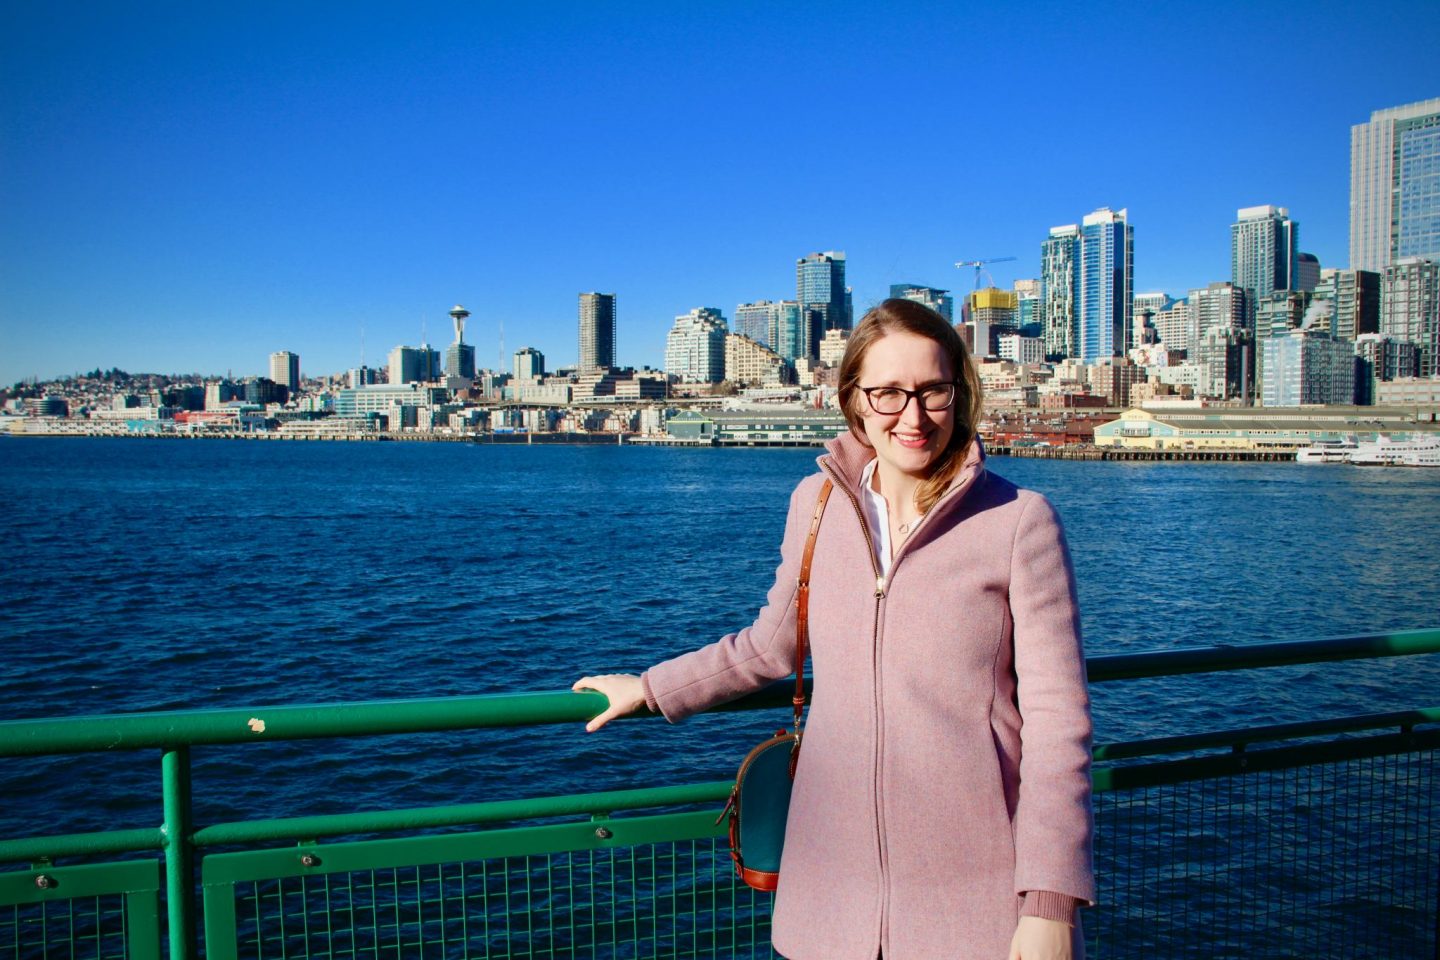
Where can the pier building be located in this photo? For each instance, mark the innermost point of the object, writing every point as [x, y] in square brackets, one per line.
[1209, 428]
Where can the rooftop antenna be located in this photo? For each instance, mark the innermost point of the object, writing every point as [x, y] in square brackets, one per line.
[501, 358]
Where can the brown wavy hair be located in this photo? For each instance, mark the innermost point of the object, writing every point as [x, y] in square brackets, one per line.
[915, 318]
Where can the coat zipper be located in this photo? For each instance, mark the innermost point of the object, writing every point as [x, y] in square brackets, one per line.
[880, 586]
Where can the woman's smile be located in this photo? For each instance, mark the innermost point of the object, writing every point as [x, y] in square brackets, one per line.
[910, 439]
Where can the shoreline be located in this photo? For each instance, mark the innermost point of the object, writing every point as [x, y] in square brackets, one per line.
[1072, 452]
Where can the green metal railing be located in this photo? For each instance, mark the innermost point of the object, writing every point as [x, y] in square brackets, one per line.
[1242, 809]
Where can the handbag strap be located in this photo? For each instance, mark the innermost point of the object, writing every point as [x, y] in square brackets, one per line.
[802, 605]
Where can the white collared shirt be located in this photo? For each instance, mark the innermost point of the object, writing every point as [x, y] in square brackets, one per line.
[877, 513]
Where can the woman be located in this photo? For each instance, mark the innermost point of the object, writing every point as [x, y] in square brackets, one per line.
[941, 808]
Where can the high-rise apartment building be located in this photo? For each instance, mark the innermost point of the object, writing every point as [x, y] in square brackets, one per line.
[1307, 271]
[1106, 288]
[695, 346]
[1218, 304]
[529, 364]
[938, 300]
[789, 334]
[359, 377]
[1264, 252]
[1307, 366]
[1279, 312]
[1354, 299]
[414, 365]
[1175, 325]
[1410, 308]
[460, 361]
[1395, 186]
[1027, 308]
[753, 320]
[285, 369]
[1224, 355]
[597, 332]
[820, 286]
[1059, 292]
[1143, 309]
[1151, 303]
[1380, 359]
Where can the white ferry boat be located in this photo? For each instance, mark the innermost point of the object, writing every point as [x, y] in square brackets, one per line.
[1327, 451]
[1385, 451]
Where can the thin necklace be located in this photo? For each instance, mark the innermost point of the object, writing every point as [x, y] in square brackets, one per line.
[909, 525]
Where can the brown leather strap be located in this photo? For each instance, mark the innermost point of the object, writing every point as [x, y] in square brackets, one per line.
[802, 604]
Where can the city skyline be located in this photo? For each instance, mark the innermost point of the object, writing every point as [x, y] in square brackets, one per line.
[181, 188]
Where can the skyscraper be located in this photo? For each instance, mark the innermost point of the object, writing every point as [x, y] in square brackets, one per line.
[1107, 266]
[1264, 253]
[789, 336]
[1307, 366]
[529, 364]
[753, 320]
[1217, 305]
[1027, 308]
[1354, 297]
[1395, 186]
[938, 300]
[1380, 359]
[414, 364]
[285, 369]
[1059, 282]
[597, 332]
[1307, 271]
[820, 286]
[1410, 308]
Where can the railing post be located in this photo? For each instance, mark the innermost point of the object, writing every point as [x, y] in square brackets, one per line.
[179, 857]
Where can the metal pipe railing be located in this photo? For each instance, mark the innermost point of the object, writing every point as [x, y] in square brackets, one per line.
[133, 731]
[175, 732]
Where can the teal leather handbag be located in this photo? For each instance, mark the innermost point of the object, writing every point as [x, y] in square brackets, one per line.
[759, 803]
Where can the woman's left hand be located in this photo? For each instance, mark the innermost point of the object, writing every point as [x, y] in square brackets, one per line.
[1039, 939]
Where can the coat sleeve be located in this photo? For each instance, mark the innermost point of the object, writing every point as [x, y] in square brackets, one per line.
[760, 654]
[1053, 819]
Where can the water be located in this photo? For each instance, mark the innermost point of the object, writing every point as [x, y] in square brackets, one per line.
[171, 575]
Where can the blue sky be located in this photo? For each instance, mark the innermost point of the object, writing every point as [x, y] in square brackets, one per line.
[188, 188]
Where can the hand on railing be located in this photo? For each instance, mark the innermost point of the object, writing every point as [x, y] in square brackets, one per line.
[624, 691]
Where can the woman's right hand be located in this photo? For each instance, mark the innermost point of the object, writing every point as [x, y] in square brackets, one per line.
[624, 691]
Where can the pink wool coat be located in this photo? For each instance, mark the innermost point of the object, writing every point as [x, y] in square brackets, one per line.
[946, 761]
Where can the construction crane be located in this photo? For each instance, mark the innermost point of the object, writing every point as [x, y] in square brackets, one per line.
[979, 266]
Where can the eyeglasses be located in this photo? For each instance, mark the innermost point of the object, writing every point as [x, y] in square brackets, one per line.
[889, 401]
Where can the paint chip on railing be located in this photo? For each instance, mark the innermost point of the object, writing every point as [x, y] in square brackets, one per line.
[257, 724]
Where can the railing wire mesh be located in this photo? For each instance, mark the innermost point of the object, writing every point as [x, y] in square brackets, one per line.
[678, 899]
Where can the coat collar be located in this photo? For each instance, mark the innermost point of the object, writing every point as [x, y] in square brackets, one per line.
[847, 457]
